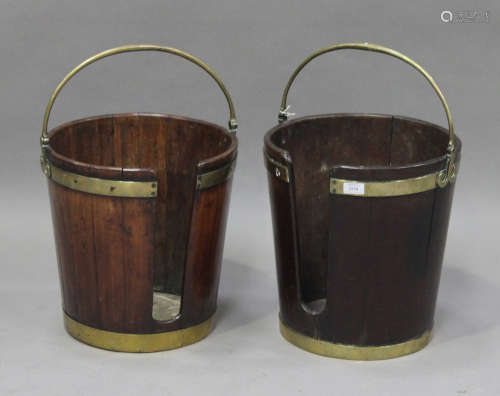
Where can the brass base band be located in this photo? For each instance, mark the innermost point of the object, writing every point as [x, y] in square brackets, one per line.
[353, 352]
[123, 342]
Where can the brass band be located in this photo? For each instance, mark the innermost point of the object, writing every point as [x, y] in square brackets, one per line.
[98, 186]
[354, 352]
[390, 188]
[233, 124]
[123, 342]
[283, 115]
[216, 176]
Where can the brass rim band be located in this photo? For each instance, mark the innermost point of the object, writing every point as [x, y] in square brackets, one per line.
[283, 115]
[215, 177]
[233, 124]
[123, 342]
[390, 188]
[98, 186]
[353, 352]
[127, 188]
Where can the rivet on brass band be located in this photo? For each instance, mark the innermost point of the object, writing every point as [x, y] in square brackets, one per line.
[217, 176]
[124, 342]
[98, 186]
[354, 352]
[389, 188]
[277, 169]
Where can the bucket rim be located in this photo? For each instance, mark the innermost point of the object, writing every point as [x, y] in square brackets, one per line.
[281, 154]
[205, 164]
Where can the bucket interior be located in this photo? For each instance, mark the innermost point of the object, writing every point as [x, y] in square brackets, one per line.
[319, 143]
[173, 147]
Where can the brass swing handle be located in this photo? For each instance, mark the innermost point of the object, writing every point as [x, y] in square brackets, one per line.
[233, 124]
[446, 175]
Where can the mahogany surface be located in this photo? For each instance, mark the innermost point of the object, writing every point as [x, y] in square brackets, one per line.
[357, 270]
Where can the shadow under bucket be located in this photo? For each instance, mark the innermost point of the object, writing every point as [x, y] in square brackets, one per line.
[139, 206]
[360, 206]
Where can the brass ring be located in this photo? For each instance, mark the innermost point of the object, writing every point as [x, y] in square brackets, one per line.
[125, 342]
[375, 48]
[233, 125]
[354, 352]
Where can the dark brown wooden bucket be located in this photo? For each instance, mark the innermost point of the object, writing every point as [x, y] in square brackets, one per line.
[139, 206]
[360, 207]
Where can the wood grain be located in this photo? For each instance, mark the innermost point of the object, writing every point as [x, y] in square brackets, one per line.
[114, 252]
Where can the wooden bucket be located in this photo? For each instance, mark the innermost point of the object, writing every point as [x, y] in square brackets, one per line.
[139, 206]
[360, 206]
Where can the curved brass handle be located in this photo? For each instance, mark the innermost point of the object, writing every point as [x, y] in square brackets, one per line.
[283, 115]
[233, 125]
